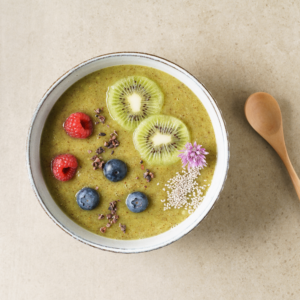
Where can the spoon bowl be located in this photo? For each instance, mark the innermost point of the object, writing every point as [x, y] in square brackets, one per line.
[263, 113]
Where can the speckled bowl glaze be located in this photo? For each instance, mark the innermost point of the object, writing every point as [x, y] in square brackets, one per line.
[33, 152]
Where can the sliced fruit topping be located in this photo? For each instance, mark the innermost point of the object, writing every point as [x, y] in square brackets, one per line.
[87, 198]
[79, 125]
[137, 202]
[159, 139]
[115, 170]
[133, 99]
[64, 167]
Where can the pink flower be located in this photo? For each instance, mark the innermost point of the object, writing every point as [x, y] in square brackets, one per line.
[193, 156]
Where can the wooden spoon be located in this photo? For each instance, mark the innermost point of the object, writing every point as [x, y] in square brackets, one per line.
[263, 113]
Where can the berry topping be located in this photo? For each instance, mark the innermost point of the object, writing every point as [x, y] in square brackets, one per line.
[79, 125]
[87, 198]
[115, 170]
[137, 202]
[64, 167]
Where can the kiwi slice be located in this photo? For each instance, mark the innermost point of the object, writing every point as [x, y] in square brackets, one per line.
[159, 139]
[133, 99]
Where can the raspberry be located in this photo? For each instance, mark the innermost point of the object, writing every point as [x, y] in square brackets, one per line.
[79, 125]
[64, 167]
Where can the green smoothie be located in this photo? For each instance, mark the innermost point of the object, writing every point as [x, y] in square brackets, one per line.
[85, 96]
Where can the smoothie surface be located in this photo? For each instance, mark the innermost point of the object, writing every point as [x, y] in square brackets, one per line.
[88, 94]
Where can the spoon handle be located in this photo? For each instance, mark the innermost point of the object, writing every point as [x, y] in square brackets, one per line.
[293, 175]
[278, 143]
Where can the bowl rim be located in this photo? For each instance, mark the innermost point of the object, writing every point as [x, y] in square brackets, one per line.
[44, 98]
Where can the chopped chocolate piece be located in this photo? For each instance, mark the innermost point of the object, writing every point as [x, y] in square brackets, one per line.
[100, 216]
[89, 151]
[114, 221]
[94, 157]
[147, 170]
[103, 229]
[123, 227]
[141, 161]
[106, 144]
[99, 150]
[110, 146]
[96, 123]
[146, 174]
[102, 134]
[109, 216]
[113, 137]
[116, 217]
[115, 133]
[136, 177]
[97, 160]
[151, 174]
[101, 165]
[102, 119]
[107, 225]
[142, 167]
[112, 205]
[98, 110]
[95, 164]
[112, 152]
[148, 178]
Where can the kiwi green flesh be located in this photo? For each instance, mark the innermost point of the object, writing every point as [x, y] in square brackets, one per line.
[159, 139]
[133, 99]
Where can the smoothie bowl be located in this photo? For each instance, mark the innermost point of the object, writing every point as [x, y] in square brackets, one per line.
[127, 152]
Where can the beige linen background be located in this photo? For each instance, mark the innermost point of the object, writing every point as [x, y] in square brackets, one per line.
[249, 245]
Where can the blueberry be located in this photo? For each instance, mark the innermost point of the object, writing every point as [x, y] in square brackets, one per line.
[137, 202]
[115, 170]
[87, 198]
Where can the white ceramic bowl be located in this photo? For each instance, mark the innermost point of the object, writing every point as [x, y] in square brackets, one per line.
[33, 150]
